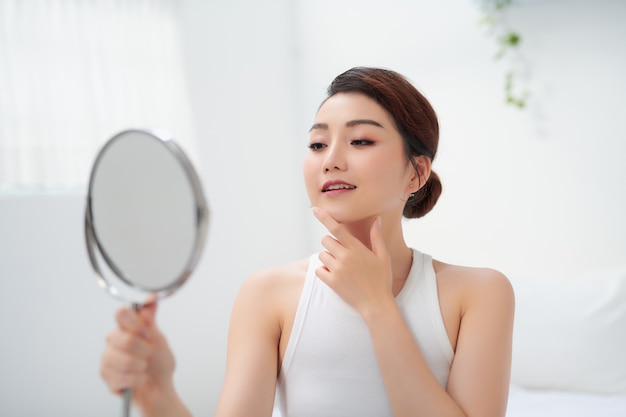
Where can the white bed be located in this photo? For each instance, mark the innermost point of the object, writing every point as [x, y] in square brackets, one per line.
[569, 346]
[525, 402]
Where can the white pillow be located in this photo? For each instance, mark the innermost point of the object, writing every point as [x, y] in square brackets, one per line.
[571, 334]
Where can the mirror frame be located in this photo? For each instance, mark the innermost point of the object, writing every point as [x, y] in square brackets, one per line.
[201, 222]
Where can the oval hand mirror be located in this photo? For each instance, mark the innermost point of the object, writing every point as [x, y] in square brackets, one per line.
[146, 218]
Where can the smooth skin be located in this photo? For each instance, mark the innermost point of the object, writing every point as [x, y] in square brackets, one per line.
[365, 261]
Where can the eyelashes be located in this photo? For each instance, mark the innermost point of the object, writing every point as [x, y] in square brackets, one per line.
[316, 146]
[362, 142]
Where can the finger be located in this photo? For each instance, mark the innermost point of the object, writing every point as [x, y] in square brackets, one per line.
[327, 260]
[129, 342]
[332, 245]
[121, 371]
[148, 310]
[123, 362]
[377, 239]
[335, 228]
[130, 320]
[324, 274]
[119, 381]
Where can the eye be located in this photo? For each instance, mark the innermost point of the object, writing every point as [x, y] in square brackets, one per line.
[362, 142]
[316, 146]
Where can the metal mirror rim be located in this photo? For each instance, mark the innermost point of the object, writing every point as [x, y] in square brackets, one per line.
[93, 242]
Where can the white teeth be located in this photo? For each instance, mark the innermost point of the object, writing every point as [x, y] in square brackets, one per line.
[340, 187]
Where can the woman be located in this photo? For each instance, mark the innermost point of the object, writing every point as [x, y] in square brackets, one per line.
[369, 326]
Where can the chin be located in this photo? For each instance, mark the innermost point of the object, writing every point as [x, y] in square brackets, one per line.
[346, 215]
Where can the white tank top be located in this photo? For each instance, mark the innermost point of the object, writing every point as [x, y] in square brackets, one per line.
[330, 368]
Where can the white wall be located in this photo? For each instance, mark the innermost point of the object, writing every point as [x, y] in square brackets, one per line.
[52, 315]
[532, 191]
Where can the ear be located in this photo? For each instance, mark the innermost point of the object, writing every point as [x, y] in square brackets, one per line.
[420, 172]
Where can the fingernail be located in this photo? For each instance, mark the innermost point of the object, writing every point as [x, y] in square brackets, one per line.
[315, 210]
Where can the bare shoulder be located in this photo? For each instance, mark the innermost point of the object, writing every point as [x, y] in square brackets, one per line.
[278, 279]
[471, 286]
[470, 275]
[474, 297]
[274, 290]
[267, 302]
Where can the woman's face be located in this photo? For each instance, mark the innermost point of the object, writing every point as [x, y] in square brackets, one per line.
[356, 167]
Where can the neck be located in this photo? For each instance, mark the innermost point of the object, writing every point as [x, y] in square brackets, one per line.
[401, 255]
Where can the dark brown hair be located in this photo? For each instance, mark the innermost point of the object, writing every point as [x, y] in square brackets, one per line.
[414, 117]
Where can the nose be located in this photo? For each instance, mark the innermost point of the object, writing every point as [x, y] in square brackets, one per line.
[335, 158]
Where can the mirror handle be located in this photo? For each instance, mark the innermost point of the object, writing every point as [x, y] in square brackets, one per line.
[128, 392]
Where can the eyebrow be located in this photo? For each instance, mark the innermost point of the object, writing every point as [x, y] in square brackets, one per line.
[351, 123]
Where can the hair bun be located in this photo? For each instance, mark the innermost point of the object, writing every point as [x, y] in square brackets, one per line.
[425, 198]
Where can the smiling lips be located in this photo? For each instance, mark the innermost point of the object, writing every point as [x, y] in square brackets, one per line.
[336, 187]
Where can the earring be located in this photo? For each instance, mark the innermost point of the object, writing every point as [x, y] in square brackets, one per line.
[412, 194]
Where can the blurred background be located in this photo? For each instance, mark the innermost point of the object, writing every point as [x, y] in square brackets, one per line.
[537, 191]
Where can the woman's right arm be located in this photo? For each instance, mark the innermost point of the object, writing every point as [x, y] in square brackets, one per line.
[138, 356]
[252, 355]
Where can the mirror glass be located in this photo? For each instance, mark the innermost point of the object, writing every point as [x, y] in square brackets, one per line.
[146, 216]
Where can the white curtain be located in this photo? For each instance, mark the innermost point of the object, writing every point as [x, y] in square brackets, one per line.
[75, 72]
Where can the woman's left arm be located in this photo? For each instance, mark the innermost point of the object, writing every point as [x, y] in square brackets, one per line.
[480, 374]
[479, 377]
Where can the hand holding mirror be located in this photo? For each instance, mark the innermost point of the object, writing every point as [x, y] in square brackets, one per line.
[146, 219]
